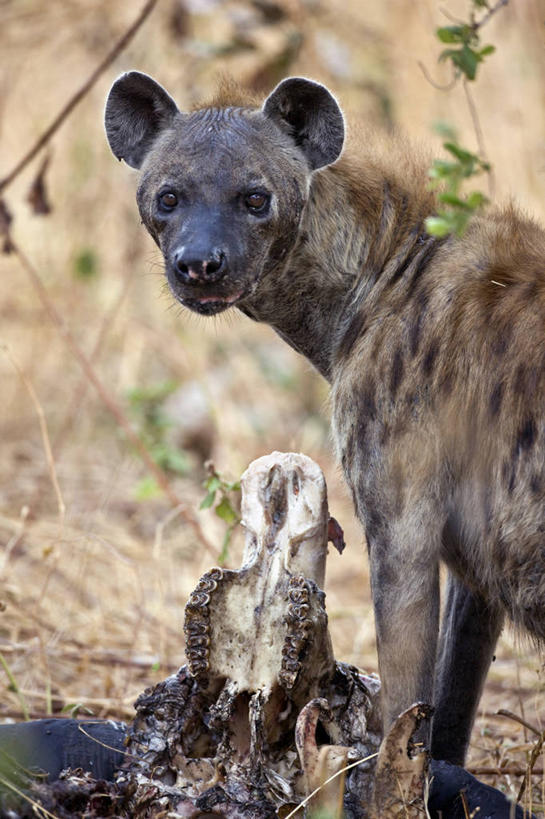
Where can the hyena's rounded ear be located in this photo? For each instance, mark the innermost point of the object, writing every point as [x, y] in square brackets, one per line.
[313, 116]
[137, 110]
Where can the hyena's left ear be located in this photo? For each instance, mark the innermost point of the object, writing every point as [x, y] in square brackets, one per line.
[313, 115]
[137, 110]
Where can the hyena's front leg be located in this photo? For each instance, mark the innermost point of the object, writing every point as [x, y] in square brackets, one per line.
[470, 629]
[404, 558]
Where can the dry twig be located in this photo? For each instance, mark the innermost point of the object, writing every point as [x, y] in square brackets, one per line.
[44, 138]
[534, 755]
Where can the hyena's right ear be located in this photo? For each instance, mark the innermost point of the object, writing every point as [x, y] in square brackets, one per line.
[313, 117]
[137, 110]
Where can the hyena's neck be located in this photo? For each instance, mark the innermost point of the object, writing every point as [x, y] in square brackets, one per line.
[361, 228]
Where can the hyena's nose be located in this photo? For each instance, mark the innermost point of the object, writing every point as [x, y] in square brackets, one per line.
[201, 267]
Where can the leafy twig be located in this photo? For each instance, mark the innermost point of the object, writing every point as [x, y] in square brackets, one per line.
[465, 55]
[491, 10]
[215, 485]
[44, 138]
[450, 175]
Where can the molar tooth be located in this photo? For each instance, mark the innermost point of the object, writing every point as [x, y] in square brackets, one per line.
[198, 599]
[198, 640]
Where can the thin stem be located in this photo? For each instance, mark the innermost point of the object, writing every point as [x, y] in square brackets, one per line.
[536, 750]
[327, 781]
[44, 432]
[480, 137]
[447, 87]
[15, 687]
[477, 25]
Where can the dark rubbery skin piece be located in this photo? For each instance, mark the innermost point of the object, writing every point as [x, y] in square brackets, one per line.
[50, 745]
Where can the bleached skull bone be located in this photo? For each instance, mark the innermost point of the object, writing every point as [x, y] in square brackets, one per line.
[270, 611]
[284, 511]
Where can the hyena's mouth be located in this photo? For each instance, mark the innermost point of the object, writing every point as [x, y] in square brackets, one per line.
[210, 305]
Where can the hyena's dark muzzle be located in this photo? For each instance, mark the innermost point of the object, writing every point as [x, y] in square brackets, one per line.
[199, 264]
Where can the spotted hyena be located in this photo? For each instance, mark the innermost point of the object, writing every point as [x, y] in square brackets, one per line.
[434, 350]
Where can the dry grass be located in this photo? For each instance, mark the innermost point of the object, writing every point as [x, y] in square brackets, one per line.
[94, 586]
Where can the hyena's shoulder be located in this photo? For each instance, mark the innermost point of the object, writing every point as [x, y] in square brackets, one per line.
[462, 349]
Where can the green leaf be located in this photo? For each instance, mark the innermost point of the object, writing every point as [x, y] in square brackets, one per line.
[489, 49]
[467, 61]
[448, 54]
[152, 393]
[445, 129]
[459, 152]
[459, 220]
[476, 199]
[441, 169]
[172, 459]
[437, 226]
[212, 483]
[147, 489]
[451, 34]
[225, 511]
[208, 500]
[223, 555]
[450, 199]
[86, 264]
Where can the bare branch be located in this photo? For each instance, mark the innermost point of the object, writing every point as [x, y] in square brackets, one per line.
[503, 712]
[507, 770]
[78, 96]
[477, 25]
[439, 87]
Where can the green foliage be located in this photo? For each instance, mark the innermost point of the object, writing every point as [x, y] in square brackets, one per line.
[146, 408]
[224, 494]
[86, 264]
[465, 36]
[449, 175]
[147, 489]
[468, 55]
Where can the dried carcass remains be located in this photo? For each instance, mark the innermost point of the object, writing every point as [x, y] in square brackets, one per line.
[262, 715]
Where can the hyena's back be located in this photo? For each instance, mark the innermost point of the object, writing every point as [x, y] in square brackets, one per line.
[439, 401]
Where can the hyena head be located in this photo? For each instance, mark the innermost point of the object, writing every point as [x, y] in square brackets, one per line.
[222, 189]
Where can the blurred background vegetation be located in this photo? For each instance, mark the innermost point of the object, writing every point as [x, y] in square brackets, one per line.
[97, 561]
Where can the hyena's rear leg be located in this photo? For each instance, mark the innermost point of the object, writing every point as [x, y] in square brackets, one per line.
[404, 558]
[469, 634]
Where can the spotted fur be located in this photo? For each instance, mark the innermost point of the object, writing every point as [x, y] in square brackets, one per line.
[434, 350]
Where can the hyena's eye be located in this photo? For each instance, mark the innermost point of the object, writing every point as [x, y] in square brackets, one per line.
[257, 202]
[168, 200]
